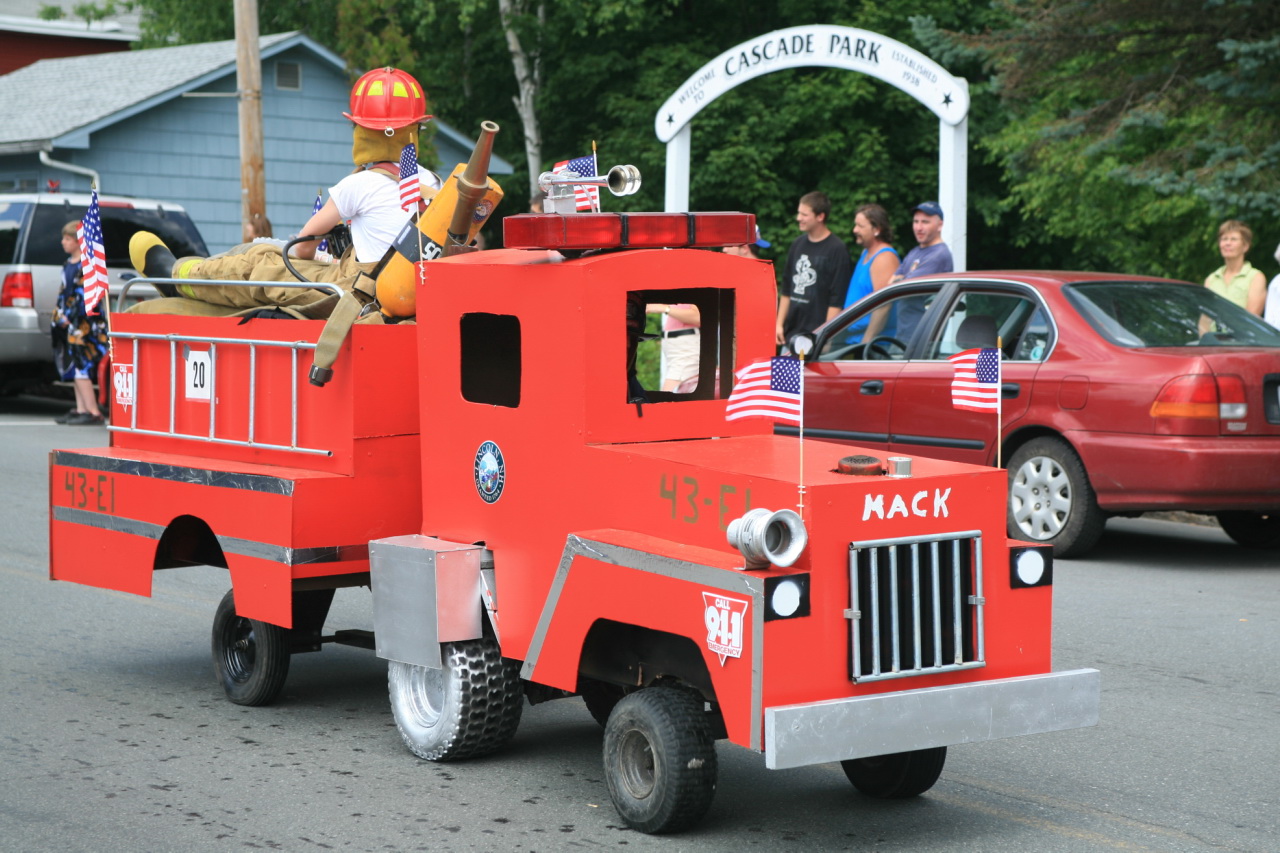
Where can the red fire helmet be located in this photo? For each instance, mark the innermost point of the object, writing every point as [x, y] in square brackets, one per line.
[386, 99]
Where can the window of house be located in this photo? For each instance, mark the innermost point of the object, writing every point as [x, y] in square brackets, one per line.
[289, 76]
[491, 359]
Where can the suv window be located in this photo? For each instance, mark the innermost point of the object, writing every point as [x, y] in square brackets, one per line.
[44, 244]
[11, 216]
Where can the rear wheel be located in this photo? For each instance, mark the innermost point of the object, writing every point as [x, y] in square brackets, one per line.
[660, 759]
[1252, 529]
[897, 776]
[468, 708]
[250, 657]
[1051, 500]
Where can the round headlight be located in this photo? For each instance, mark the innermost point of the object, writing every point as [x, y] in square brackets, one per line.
[1030, 566]
[786, 598]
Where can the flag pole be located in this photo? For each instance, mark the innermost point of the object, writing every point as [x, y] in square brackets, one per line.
[801, 504]
[999, 398]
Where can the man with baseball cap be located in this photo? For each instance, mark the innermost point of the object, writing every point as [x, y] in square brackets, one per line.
[929, 257]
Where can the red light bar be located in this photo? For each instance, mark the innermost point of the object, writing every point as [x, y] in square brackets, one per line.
[627, 230]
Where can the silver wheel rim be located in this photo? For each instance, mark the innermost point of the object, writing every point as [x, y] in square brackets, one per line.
[1040, 498]
[425, 697]
[636, 765]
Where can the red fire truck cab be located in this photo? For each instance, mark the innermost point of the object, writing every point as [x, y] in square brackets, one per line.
[534, 524]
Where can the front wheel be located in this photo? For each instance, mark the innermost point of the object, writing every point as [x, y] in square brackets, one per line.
[660, 759]
[897, 776]
[1051, 499]
[1259, 530]
[250, 657]
[468, 708]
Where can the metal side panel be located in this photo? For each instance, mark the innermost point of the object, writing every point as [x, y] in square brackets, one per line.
[882, 724]
[425, 592]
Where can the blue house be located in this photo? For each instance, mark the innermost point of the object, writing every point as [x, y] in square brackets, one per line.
[163, 124]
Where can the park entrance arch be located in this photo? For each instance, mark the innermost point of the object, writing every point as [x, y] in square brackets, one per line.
[835, 47]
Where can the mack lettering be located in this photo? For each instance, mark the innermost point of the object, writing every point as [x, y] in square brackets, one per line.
[917, 504]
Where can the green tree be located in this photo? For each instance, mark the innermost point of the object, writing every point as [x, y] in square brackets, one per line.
[1133, 127]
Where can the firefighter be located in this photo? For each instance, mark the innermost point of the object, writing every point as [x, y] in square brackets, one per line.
[387, 106]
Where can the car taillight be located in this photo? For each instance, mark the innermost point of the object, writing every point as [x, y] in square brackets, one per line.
[1193, 404]
[1231, 404]
[17, 291]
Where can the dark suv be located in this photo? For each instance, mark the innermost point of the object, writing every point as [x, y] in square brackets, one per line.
[31, 260]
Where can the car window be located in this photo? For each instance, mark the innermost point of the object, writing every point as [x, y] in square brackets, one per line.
[1167, 314]
[1015, 322]
[174, 227]
[888, 327]
[11, 216]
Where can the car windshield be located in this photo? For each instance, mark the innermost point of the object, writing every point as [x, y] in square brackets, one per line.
[1168, 314]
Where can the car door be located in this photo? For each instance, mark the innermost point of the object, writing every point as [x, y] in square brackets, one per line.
[850, 380]
[923, 419]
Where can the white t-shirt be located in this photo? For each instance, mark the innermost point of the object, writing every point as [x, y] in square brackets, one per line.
[371, 202]
[1271, 311]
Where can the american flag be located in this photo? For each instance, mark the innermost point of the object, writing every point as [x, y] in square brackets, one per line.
[410, 193]
[315, 208]
[767, 389]
[93, 258]
[586, 197]
[976, 383]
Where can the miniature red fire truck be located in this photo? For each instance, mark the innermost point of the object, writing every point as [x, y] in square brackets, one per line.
[534, 525]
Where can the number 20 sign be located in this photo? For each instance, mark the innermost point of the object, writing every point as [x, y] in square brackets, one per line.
[199, 374]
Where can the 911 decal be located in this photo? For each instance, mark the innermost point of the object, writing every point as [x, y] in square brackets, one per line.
[726, 620]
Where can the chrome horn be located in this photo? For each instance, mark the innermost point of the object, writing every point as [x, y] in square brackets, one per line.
[621, 180]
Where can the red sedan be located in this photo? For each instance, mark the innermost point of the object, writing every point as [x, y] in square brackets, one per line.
[1120, 395]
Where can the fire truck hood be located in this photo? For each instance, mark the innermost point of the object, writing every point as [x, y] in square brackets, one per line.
[776, 457]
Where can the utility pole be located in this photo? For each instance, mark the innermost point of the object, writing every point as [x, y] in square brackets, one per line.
[253, 191]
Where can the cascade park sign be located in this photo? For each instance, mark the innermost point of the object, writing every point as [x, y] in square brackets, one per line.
[834, 47]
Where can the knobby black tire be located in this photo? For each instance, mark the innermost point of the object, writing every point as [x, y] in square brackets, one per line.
[897, 776]
[468, 708]
[1260, 530]
[250, 657]
[1064, 510]
[660, 759]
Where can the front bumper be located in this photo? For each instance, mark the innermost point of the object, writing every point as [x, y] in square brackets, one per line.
[886, 723]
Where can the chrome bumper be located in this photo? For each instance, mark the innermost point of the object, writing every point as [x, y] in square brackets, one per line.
[863, 726]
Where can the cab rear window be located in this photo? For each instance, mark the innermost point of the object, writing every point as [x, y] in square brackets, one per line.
[44, 245]
[11, 216]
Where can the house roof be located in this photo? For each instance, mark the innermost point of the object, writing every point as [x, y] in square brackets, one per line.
[60, 102]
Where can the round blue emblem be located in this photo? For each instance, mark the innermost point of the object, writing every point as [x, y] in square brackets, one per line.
[490, 472]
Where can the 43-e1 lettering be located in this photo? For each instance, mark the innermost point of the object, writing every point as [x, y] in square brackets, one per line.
[691, 502]
[90, 490]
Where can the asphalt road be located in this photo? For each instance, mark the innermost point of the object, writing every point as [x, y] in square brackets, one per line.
[115, 736]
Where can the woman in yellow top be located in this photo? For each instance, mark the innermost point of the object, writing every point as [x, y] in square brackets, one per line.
[1237, 279]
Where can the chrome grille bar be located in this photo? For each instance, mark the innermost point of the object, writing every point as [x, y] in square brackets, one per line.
[916, 610]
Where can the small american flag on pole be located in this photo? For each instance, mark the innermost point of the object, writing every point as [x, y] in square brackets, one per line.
[93, 258]
[767, 389]
[410, 193]
[585, 197]
[315, 208]
[975, 385]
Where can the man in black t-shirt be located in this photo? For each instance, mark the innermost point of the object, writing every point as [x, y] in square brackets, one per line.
[817, 273]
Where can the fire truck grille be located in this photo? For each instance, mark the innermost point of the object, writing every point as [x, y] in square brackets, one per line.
[915, 606]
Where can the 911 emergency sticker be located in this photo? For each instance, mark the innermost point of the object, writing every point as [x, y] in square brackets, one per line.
[122, 382]
[199, 373]
[490, 472]
[726, 620]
